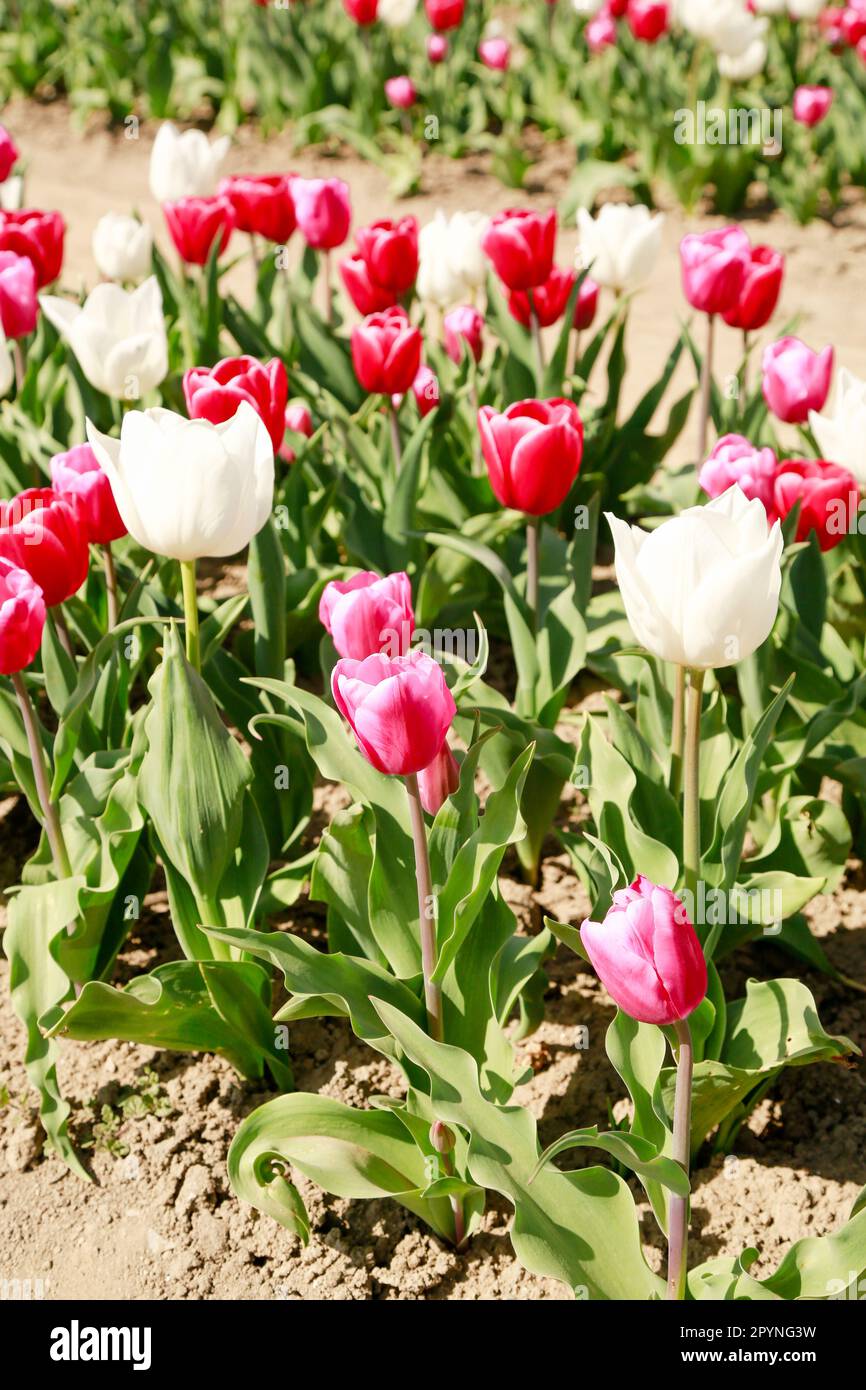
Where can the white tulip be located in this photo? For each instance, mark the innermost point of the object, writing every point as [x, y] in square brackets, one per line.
[122, 246]
[772, 6]
[7, 367]
[117, 335]
[841, 434]
[185, 164]
[728, 26]
[451, 264]
[621, 245]
[587, 8]
[187, 488]
[702, 590]
[805, 9]
[396, 14]
[12, 194]
[747, 64]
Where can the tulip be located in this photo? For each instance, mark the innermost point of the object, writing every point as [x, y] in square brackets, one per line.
[18, 305]
[386, 352]
[39, 237]
[648, 19]
[548, 300]
[262, 205]
[495, 53]
[118, 337]
[367, 614]
[445, 14]
[452, 265]
[437, 48]
[587, 304]
[77, 474]
[122, 247]
[362, 11]
[735, 460]
[12, 194]
[43, 533]
[759, 291]
[742, 67]
[811, 104]
[22, 618]
[828, 495]
[400, 93]
[621, 245]
[214, 393]
[425, 389]
[533, 453]
[390, 252]
[714, 266]
[463, 326]
[197, 224]
[796, 380]
[439, 781]
[399, 709]
[185, 165]
[600, 32]
[396, 14]
[323, 211]
[8, 154]
[365, 294]
[852, 25]
[299, 420]
[520, 243]
[727, 26]
[841, 434]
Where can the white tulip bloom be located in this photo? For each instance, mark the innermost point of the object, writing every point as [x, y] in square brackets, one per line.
[185, 164]
[805, 9]
[396, 14]
[728, 26]
[187, 488]
[122, 247]
[841, 434]
[587, 8]
[745, 65]
[451, 264]
[117, 335]
[12, 194]
[702, 590]
[621, 245]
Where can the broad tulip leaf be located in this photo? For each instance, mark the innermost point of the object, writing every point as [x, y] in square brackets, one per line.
[818, 1267]
[635, 1153]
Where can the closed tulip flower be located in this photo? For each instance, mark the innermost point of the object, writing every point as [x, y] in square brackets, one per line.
[452, 264]
[463, 327]
[187, 488]
[714, 266]
[548, 300]
[118, 337]
[621, 245]
[22, 618]
[521, 243]
[185, 164]
[299, 420]
[828, 497]
[811, 104]
[439, 781]
[841, 433]
[38, 236]
[197, 224]
[600, 32]
[445, 14]
[587, 304]
[796, 380]
[437, 48]
[18, 305]
[386, 352]
[495, 53]
[362, 11]
[262, 205]
[42, 533]
[365, 294]
[648, 19]
[399, 709]
[396, 14]
[77, 474]
[425, 389]
[400, 92]
[8, 154]
[367, 614]
[532, 452]
[215, 393]
[759, 291]
[735, 460]
[647, 955]
[122, 247]
[742, 67]
[323, 210]
[390, 251]
[701, 590]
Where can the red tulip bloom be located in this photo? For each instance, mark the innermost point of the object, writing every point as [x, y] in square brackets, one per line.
[648, 19]
[533, 453]
[38, 236]
[828, 495]
[8, 154]
[362, 11]
[77, 475]
[262, 205]
[445, 14]
[22, 618]
[18, 306]
[425, 389]
[196, 224]
[549, 300]
[386, 352]
[390, 252]
[759, 292]
[520, 243]
[367, 297]
[714, 265]
[42, 533]
[215, 393]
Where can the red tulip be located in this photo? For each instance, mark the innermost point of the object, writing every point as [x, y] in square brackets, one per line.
[463, 326]
[367, 297]
[425, 389]
[362, 11]
[520, 243]
[811, 104]
[829, 498]
[647, 955]
[795, 379]
[77, 474]
[42, 533]
[262, 205]
[22, 618]
[400, 92]
[549, 300]
[400, 709]
[714, 265]
[323, 210]
[196, 224]
[445, 14]
[386, 352]
[39, 237]
[759, 292]
[8, 154]
[390, 252]
[533, 453]
[648, 19]
[367, 614]
[587, 304]
[215, 393]
[18, 306]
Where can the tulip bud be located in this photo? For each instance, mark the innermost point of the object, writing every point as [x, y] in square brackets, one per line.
[647, 955]
[22, 618]
[735, 460]
[533, 453]
[445, 14]
[196, 224]
[437, 48]
[43, 534]
[122, 247]
[362, 11]
[299, 419]
[386, 352]
[648, 19]
[400, 92]
[18, 306]
[367, 614]
[399, 709]
[600, 32]
[795, 379]
[214, 393]
[759, 292]
[390, 252]
[714, 265]
[520, 243]
[78, 474]
[442, 1138]
[39, 237]
[811, 104]
[463, 326]
[323, 210]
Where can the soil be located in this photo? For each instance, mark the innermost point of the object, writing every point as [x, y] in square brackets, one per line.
[159, 1219]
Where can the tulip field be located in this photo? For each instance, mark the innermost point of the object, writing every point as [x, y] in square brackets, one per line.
[432, 653]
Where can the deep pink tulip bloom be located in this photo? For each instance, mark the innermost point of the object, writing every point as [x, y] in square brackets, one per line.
[425, 389]
[463, 326]
[759, 292]
[445, 14]
[811, 104]
[439, 781]
[390, 252]
[521, 243]
[196, 224]
[362, 11]
[648, 19]
[18, 303]
[400, 709]
[22, 618]
[367, 614]
[495, 54]
[400, 92]
[8, 154]
[324, 211]
[714, 265]
[365, 294]
[437, 48]
[533, 453]
[386, 352]
[735, 460]
[262, 204]
[38, 236]
[78, 474]
[795, 379]
[215, 393]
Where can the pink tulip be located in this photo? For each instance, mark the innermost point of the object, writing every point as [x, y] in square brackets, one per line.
[367, 614]
[400, 709]
[495, 54]
[400, 93]
[647, 955]
[439, 781]
[437, 48]
[463, 326]
[323, 211]
[811, 104]
[735, 460]
[22, 618]
[600, 32]
[78, 474]
[713, 266]
[796, 379]
[8, 154]
[425, 389]
[18, 304]
[299, 419]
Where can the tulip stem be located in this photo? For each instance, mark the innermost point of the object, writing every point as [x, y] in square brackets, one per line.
[396, 446]
[110, 586]
[533, 528]
[63, 631]
[426, 908]
[678, 1207]
[691, 787]
[677, 732]
[746, 347]
[536, 342]
[706, 388]
[190, 612]
[50, 817]
[326, 279]
[18, 362]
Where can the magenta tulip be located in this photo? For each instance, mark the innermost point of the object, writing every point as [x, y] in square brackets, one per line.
[386, 352]
[78, 474]
[463, 328]
[714, 265]
[533, 453]
[795, 379]
[400, 709]
[520, 243]
[735, 460]
[8, 154]
[368, 614]
[811, 104]
[22, 618]
[400, 93]
[323, 211]
[18, 305]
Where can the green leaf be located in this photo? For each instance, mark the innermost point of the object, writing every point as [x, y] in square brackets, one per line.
[630, 1149]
